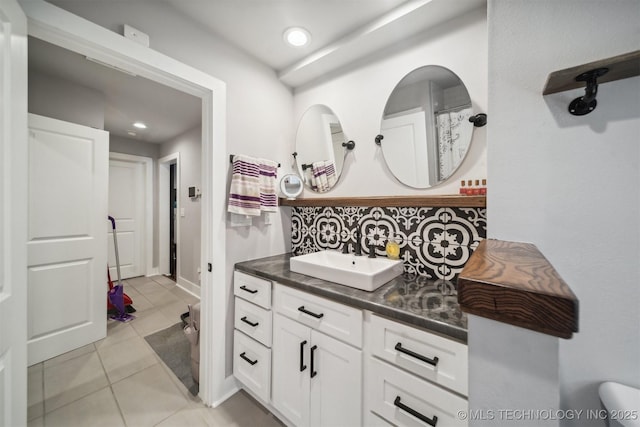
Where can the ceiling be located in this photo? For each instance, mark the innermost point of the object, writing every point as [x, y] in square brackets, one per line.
[166, 111]
[342, 31]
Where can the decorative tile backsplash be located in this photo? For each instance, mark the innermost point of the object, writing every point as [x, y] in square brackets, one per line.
[434, 242]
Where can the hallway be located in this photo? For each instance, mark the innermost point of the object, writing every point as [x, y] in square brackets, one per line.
[120, 380]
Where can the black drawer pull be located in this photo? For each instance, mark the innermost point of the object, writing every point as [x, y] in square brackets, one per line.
[251, 362]
[248, 322]
[431, 421]
[313, 372]
[302, 365]
[433, 361]
[251, 291]
[317, 316]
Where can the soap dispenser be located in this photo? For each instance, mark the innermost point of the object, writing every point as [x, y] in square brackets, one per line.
[392, 248]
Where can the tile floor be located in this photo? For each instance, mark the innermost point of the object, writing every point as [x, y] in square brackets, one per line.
[120, 381]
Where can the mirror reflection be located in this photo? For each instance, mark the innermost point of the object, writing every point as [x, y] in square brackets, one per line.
[425, 126]
[291, 186]
[320, 148]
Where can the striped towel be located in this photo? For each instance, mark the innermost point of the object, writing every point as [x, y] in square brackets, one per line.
[320, 176]
[268, 170]
[330, 169]
[244, 194]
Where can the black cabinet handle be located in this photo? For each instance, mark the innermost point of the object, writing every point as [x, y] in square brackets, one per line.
[302, 365]
[248, 322]
[313, 372]
[433, 361]
[317, 316]
[251, 291]
[431, 421]
[251, 362]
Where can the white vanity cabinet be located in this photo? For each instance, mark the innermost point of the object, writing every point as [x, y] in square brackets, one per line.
[413, 377]
[316, 377]
[253, 333]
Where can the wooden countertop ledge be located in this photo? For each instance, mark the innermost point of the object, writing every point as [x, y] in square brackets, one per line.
[514, 283]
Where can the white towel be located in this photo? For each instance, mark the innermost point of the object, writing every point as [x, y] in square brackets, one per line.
[244, 194]
[330, 169]
[268, 176]
[320, 176]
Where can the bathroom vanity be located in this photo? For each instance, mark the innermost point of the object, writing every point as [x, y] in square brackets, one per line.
[318, 353]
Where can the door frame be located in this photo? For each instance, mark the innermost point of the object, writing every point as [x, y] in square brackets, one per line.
[163, 218]
[147, 246]
[59, 27]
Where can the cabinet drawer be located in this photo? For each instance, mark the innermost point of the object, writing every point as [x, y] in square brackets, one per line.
[252, 289]
[252, 365]
[332, 318]
[430, 356]
[405, 400]
[254, 321]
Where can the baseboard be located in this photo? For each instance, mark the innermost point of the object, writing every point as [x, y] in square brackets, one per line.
[188, 286]
[153, 272]
[232, 388]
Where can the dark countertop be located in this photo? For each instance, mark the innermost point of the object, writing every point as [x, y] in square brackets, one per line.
[428, 304]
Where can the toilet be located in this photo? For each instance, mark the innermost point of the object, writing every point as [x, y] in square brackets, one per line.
[622, 404]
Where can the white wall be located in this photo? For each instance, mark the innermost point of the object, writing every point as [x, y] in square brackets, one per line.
[359, 95]
[189, 145]
[61, 99]
[259, 110]
[570, 184]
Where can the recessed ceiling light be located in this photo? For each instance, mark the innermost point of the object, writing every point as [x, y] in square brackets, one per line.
[140, 125]
[132, 133]
[297, 36]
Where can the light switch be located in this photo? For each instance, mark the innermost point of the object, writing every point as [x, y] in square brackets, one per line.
[182, 212]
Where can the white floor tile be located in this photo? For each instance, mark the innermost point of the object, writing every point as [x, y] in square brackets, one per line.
[187, 417]
[126, 358]
[152, 321]
[174, 310]
[162, 297]
[116, 333]
[151, 286]
[163, 280]
[98, 409]
[148, 397]
[68, 381]
[89, 348]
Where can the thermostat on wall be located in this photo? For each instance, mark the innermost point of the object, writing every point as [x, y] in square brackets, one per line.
[194, 192]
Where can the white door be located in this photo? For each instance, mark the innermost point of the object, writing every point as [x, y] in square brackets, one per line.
[127, 200]
[13, 212]
[291, 369]
[67, 247]
[336, 387]
[405, 137]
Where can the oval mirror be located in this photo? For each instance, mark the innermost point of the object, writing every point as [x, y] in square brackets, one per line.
[291, 186]
[320, 148]
[425, 126]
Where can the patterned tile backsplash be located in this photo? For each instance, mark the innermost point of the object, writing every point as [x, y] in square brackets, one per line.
[434, 242]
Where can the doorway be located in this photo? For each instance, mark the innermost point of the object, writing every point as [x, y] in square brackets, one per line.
[173, 219]
[64, 29]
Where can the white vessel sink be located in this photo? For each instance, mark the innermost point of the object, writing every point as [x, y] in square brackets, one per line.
[359, 272]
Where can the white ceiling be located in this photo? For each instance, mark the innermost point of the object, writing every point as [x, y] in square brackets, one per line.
[342, 31]
[166, 111]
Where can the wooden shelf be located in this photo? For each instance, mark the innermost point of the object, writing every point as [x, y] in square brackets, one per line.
[514, 283]
[453, 201]
[620, 67]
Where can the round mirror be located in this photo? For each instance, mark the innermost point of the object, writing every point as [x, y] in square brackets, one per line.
[291, 186]
[425, 126]
[320, 148]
